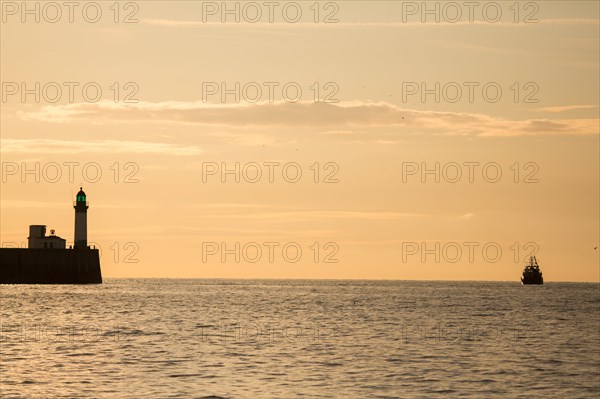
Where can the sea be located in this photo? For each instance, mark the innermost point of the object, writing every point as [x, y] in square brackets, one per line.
[162, 338]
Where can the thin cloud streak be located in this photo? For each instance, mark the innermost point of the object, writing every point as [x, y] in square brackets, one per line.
[304, 215]
[51, 146]
[565, 108]
[178, 23]
[243, 212]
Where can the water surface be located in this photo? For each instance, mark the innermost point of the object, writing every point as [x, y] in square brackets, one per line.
[300, 339]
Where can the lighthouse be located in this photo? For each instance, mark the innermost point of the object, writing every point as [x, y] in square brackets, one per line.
[81, 207]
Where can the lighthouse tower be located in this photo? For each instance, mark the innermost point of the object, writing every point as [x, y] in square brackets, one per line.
[81, 207]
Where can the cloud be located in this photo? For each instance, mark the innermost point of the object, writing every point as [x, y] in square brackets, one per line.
[51, 146]
[566, 108]
[338, 117]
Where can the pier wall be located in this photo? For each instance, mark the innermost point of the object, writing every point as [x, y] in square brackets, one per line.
[49, 266]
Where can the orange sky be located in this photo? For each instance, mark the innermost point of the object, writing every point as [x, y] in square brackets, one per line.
[361, 103]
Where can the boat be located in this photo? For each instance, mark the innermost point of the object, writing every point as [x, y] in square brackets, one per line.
[532, 273]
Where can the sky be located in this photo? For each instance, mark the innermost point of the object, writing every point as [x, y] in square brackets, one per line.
[326, 140]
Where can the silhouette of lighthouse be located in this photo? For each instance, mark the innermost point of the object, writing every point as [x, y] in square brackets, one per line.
[81, 207]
